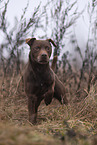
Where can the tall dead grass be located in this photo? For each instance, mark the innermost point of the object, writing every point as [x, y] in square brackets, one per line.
[57, 124]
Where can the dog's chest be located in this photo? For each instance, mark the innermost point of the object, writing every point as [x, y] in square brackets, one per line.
[43, 82]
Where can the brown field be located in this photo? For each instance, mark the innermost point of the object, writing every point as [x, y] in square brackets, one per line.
[75, 124]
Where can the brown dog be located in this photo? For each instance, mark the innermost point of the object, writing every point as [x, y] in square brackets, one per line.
[39, 79]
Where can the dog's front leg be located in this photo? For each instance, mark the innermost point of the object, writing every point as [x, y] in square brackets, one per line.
[32, 101]
[48, 97]
[49, 94]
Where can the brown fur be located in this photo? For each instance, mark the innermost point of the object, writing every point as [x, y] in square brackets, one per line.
[39, 79]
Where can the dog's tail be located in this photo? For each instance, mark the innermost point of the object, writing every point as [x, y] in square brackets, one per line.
[54, 62]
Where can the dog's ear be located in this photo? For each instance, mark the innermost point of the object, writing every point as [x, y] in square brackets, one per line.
[30, 41]
[50, 40]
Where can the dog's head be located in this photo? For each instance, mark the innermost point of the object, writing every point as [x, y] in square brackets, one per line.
[40, 50]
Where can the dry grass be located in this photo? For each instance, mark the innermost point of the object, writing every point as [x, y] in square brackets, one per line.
[57, 124]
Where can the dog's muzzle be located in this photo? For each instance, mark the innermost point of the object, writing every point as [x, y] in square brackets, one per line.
[43, 58]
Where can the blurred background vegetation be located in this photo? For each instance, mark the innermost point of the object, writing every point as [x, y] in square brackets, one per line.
[55, 18]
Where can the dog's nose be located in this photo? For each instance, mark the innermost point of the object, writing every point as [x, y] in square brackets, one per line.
[44, 55]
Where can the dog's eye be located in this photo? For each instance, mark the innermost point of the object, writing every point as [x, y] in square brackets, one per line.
[37, 48]
[47, 48]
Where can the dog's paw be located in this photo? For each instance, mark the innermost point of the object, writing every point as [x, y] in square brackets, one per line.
[48, 97]
[32, 119]
[48, 100]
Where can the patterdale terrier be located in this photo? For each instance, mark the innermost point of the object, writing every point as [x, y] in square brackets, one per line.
[40, 81]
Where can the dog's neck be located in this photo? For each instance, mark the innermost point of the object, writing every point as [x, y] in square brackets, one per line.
[37, 67]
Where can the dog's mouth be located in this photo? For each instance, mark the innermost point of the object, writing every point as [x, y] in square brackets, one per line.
[43, 61]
